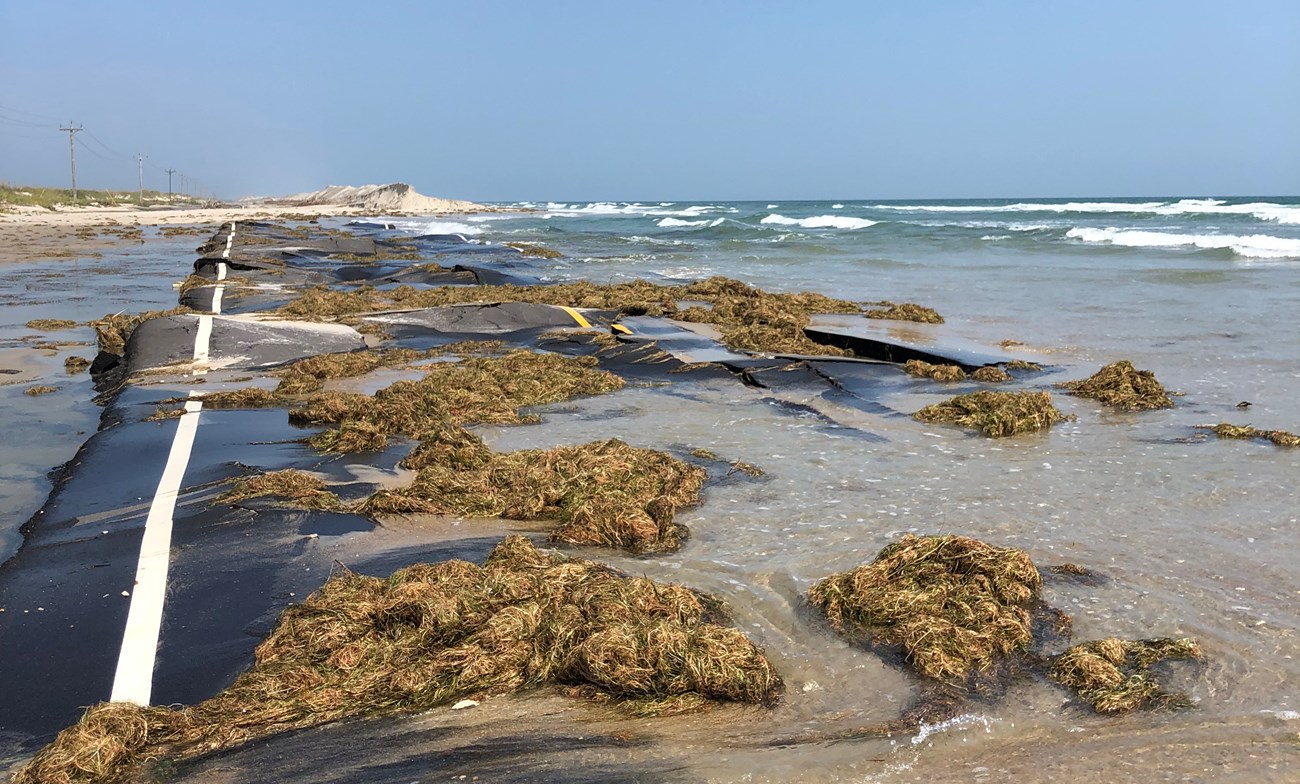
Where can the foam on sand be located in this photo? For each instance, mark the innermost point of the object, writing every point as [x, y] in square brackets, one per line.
[1260, 246]
[819, 222]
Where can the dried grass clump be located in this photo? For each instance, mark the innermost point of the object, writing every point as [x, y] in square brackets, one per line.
[529, 249]
[473, 390]
[299, 487]
[1114, 676]
[40, 389]
[953, 605]
[748, 318]
[1121, 385]
[906, 311]
[923, 369]
[428, 635]
[604, 493]
[996, 414]
[75, 364]
[51, 325]
[991, 374]
[112, 330]
[1278, 437]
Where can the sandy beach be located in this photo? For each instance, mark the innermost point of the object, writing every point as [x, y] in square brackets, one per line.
[31, 233]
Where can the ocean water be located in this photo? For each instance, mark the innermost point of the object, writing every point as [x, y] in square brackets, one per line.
[1199, 537]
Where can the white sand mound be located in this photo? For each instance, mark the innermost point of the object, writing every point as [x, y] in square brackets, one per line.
[395, 197]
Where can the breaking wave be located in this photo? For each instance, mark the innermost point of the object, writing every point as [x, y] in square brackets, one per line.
[437, 227]
[1262, 246]
[819, 222]
[1264, 211]
[676, 223]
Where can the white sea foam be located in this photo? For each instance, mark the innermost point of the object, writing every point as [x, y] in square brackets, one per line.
[437, 227]
[1261, 246]
[773, 206]
[961, 722]
[819, 222]
[670, 223]
[837, 206]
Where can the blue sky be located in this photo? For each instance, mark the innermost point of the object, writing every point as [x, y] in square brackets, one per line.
[664, 100]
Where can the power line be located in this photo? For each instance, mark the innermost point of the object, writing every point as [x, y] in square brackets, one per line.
[23, 122]
[107, 149]
[13, 110]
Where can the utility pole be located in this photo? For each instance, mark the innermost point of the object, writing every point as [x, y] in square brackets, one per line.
[71, 130]
[139, 162]
[182, 183]
[169, 181]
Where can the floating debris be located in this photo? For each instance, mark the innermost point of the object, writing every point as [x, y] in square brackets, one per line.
[40, 389]
[1119, 384]
[906, 311]
[991, 374]
[996, 414]
[51, 325]
[967, 616]
[529, 249]
[954, 605]
[605, 493]
[302, 489]
[923, 369]
[1278, 437]
[430, 635]
[75, 364]
[1113, 675]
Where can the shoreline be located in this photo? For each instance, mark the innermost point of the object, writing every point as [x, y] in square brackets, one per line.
[35, 233]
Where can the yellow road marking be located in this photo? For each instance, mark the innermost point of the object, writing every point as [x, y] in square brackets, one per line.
[620, 328]
[578, 317]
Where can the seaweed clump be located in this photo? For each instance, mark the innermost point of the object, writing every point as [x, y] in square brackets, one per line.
[1278, 437]
[51, 325]
[991, 374]
[996, 414]
[1121, 385]
[432, 633]
[488, 390]
[538, 251]
[906, 311]
[301, 488]
[922, 369]
[952, 604]
[604, 493]
[1113, 675]
[748, 318]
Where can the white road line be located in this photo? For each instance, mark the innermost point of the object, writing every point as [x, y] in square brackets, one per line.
[133, 680]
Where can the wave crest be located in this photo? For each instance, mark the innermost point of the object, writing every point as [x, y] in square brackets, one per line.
[1260, 246]
[819, 222]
